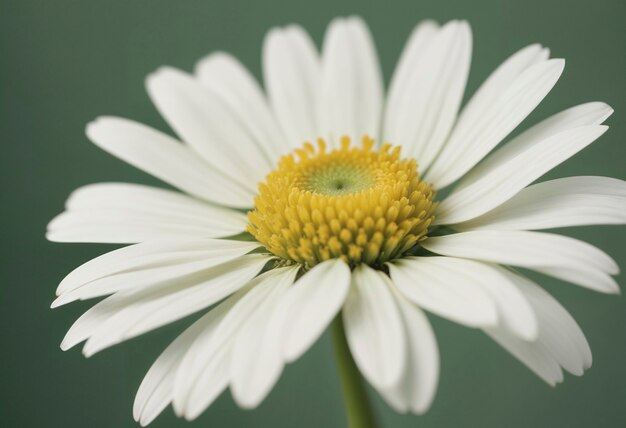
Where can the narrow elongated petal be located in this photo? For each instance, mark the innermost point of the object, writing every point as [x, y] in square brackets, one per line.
[256, 361]
[130, 213]
[593, 113]
[445, 287]
[560, 343]
[559, 256]
[571, 201]
[311, 304]
[194, 380]
[523, 161]
[374, 328]
[423, 113]
[154, 307]
[352, 88]
[146, 265]
[500, 79]
[534, 355]
[486, 124]
[410, 59]
[157, 388]
[292, 74]
[416, 389]
[211, 127]
[167, 159]
[468, 276]
[140, 256]
[226, 77]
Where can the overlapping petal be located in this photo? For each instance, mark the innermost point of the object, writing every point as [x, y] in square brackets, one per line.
[427, 89]
[122, 213]
[351, 89]
[560, 256]
[167, 159]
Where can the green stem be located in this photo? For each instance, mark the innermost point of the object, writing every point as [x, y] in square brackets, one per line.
[358, 409]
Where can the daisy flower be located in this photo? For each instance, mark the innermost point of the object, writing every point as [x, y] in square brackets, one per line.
[314, 202]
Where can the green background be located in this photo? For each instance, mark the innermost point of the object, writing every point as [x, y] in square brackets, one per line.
[64, 62]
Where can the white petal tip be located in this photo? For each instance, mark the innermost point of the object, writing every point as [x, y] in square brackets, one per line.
[59, 301]
[246, 403]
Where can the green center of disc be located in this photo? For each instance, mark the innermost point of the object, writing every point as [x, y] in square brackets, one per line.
[338, 180]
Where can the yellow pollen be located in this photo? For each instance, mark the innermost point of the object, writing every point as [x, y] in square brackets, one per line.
[359, 204]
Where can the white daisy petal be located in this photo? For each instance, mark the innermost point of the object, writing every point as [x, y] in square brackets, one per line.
[215, 374]
[128, 213]
[292, 72]
[205, 121]
[352, 88]
[545, 136]
[194, 379]
[535, 355]
[256, 360]
[484, 125]
[147, 264]
[153, 307]
[559, 256]
[311, 304]
[593, 113]
[502, 78]
[416, 389]
[167, 159]
[156, 389]
[513, 174]
[560, 339]
[89, 322]
[225, 76]
[374, 328]
[132, 299]
[411, 57]
[513, 311]
[445, 287]
[572, 201]
[424, 112]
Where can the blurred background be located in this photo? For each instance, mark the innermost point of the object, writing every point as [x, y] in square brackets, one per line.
[64, 62]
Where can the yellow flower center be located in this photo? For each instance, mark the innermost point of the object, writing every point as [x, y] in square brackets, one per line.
[355, 203]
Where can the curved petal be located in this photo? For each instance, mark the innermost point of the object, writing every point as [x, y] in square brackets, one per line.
[256, 361]
[416, 389]
[149, 308]
[211, 352]
[226, 77]
[560, 343]
[484, 123]
[559, 256]
[511, 176]
[146, 265]
[571, 201]
[352, 88]
[411, 57]
[592, 113]
[311, 304]
[210, 126]
[513, 311]
[374, 328]
[445, 287]
[420, 114]
[292, 72]
[157, 388]
[165, 158]
[129, 213]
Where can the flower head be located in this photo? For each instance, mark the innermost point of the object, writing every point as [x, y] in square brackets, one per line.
[316, 198]
[356, 204]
